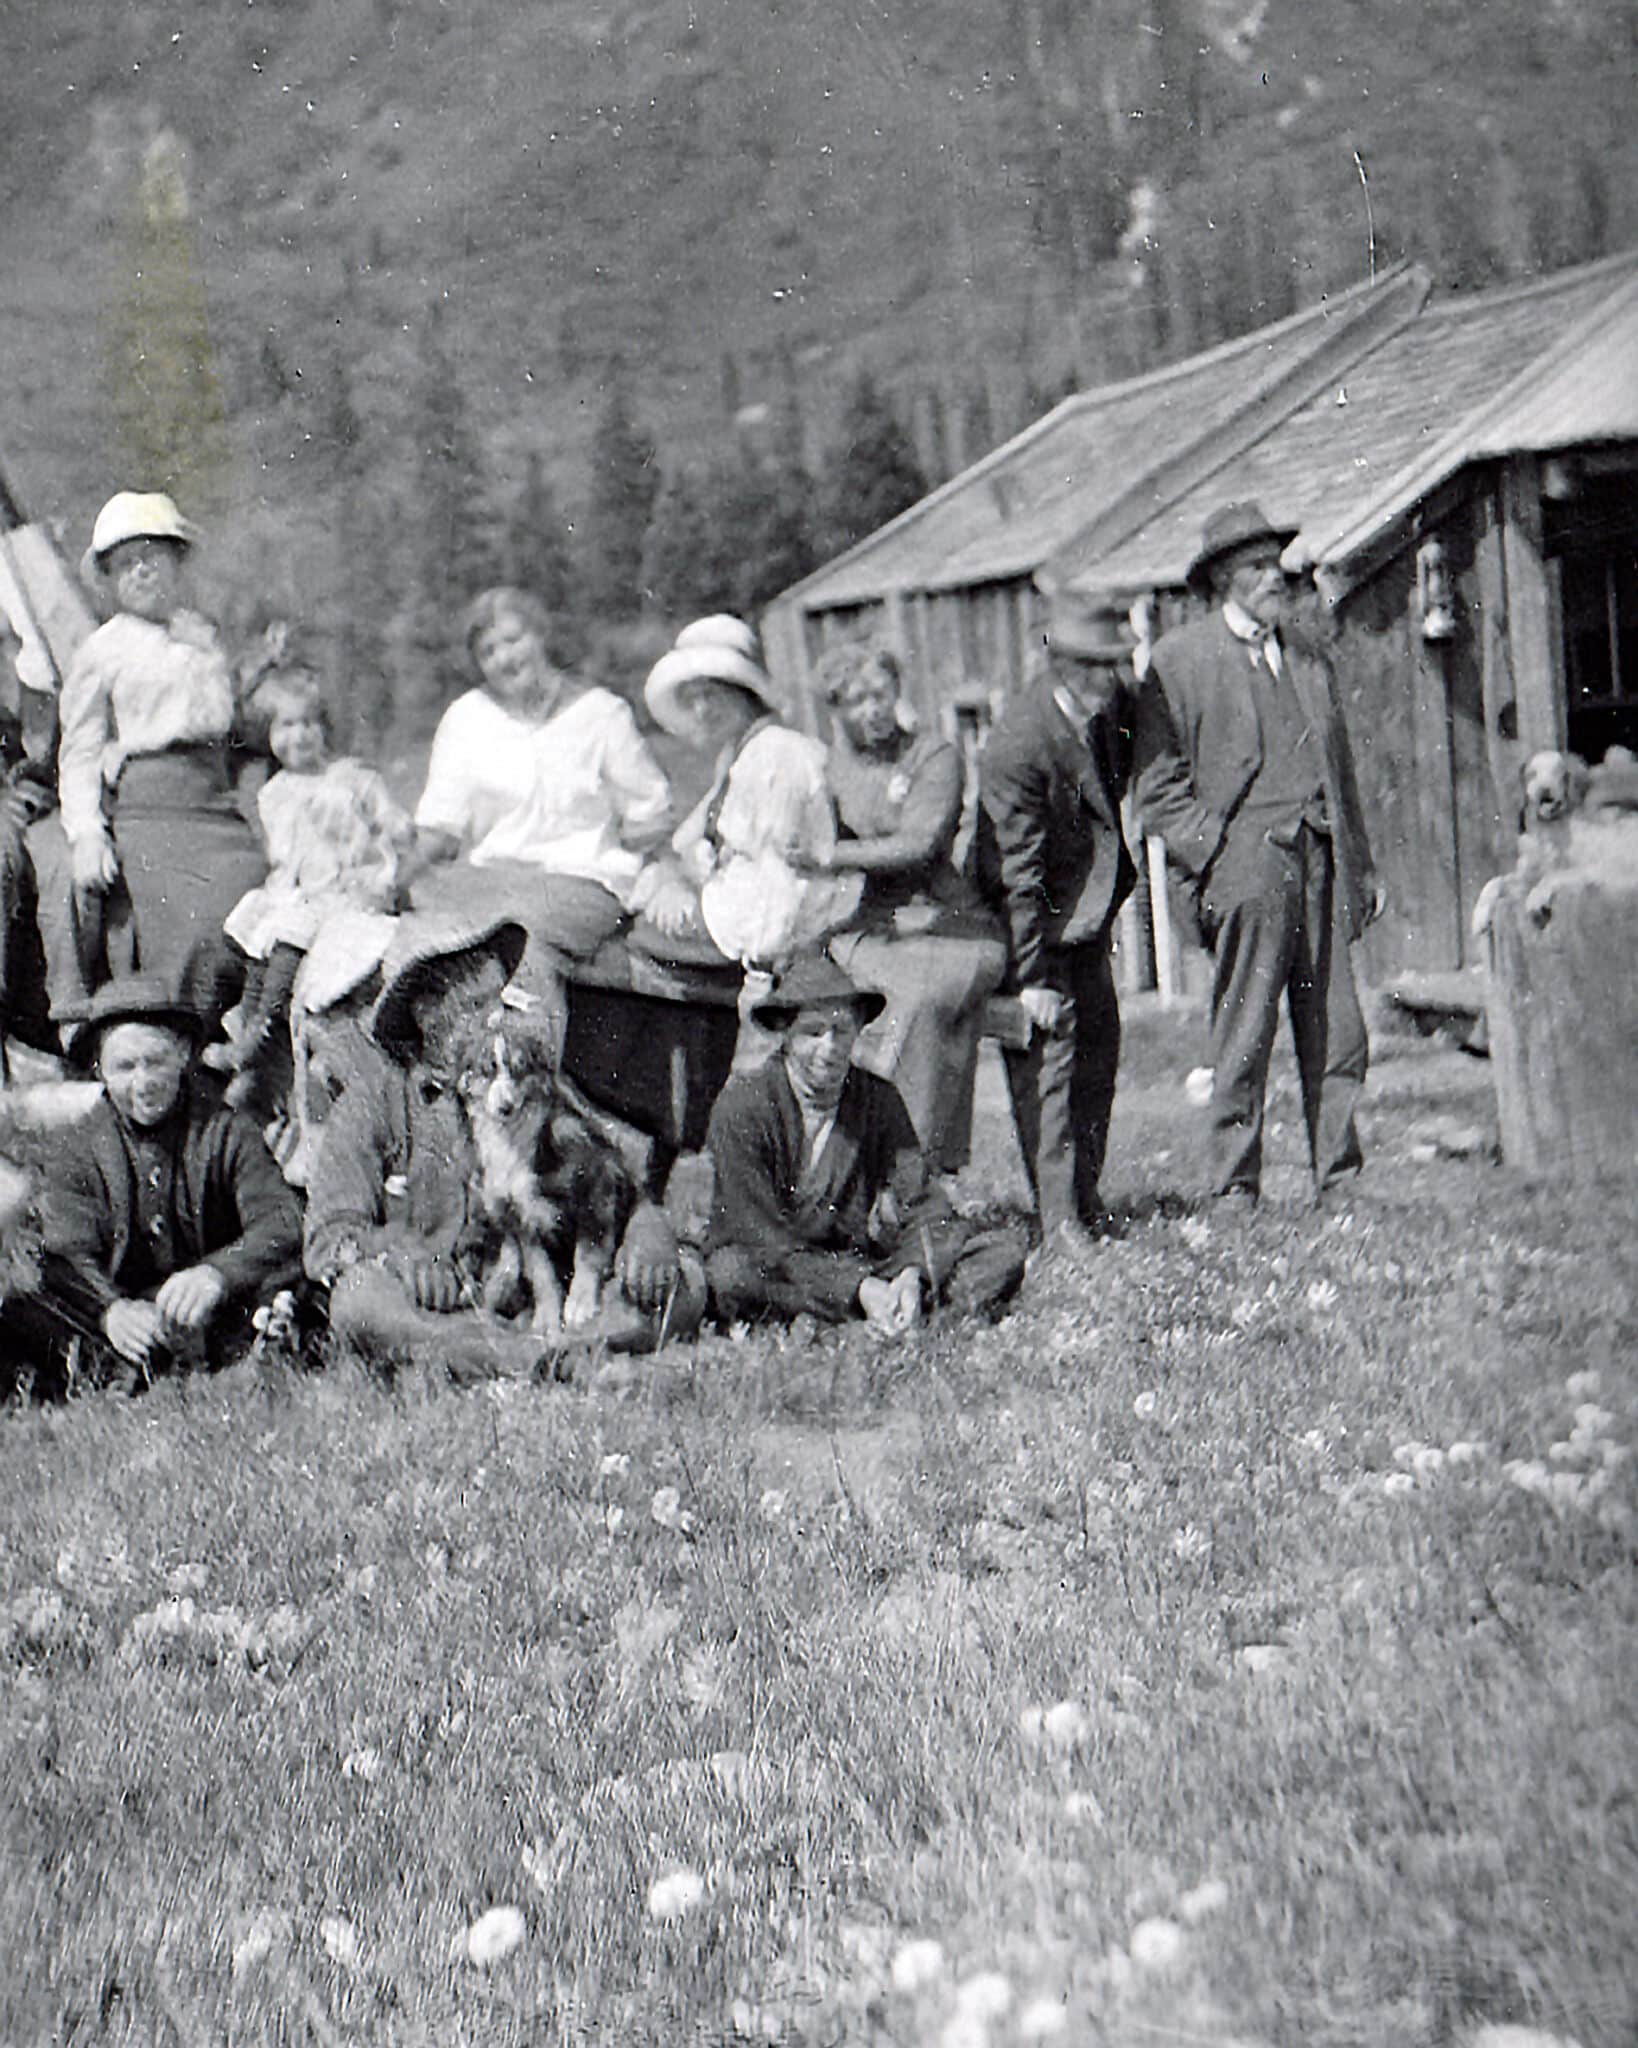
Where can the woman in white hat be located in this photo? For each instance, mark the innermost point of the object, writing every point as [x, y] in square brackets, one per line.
[149, 851]
[746, 864]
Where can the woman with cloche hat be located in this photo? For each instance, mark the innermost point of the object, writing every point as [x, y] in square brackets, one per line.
[747, 862]
[149, 851]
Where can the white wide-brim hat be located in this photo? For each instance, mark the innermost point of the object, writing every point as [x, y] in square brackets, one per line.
[713, 661]
[721, 629]
[138, 515]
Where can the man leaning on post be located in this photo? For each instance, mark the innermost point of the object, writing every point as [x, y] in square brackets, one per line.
[1052, 858]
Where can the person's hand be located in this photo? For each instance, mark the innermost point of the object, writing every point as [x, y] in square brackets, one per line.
[18, 807]
[432, 1280]
[96, 864]
[674, 908]
[1378, 903]
[133, 1328]
[646, 1266]
[892, 1307]
[1044, 1007]
[885, 1221]
[188, 1300]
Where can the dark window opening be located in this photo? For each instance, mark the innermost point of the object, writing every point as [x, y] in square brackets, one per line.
[1593, 536]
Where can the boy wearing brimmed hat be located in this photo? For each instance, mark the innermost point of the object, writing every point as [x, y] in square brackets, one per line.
[388, 1192]
[822, 1202]
[1053, 860]
[165, 1218]
[1245, 771]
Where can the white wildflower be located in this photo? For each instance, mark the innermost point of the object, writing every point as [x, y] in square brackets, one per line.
[1244, 1313]
[1316, 1441]
[1195, 1232]
[340, 1939]
[1407, 1454]
[1563, 1453]
[615, 1465]
[667, 1509]
[1263, 1660]
[1043, 2019]
[1464, 1452]
[1066, 1726]
[494, 1935]
[1032, 1726]
[1145, 1404]
[866, 1946]
[1399, 1482]
[1613, 1454]
[258, 1941]
[613, 1517]
[1156, 1944]
[1591, 1420]
[1206, 1899]
[1190, 1545]
[773, 1503]
[916, 1964]
[1565, 1489]
[362, 1763]
[1530, 1474]
[187, 1578]
[1198, 1086]
[1428, 1461]
[676, 1894]
[1322, 1297]
[985, 1996]
[1583, 1386]
[1082, 1806]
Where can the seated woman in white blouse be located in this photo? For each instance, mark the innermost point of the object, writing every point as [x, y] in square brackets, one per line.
[542, 798]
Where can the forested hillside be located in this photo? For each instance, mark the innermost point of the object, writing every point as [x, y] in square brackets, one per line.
[401, 295]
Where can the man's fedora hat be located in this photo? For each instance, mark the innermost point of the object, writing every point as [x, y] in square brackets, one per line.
[130, 999]
[814, 981]
[1231, 527]
[1088, 628]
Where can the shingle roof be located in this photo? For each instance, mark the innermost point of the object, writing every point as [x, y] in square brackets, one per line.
[1469, 377]
[1007, 514]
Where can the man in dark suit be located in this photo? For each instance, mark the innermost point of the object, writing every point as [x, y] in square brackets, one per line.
[1245, 770]
[1051, 857]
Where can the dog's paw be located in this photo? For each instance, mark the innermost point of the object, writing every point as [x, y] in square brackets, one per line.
[1538, 905]
[584, 1300]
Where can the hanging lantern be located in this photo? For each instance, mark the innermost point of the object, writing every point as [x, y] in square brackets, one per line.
[1435, 592]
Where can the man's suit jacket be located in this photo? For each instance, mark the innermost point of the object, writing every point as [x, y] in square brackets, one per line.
[1051, 855]
[1200, 745]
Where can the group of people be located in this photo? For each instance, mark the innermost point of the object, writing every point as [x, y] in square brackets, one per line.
[182, 934]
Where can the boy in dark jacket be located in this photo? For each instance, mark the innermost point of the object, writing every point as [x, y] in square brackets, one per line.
[165, 1219]
[823, 1203]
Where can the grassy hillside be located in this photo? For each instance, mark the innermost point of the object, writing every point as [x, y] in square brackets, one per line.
[739, 205]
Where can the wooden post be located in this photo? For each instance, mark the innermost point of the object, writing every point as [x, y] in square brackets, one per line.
[1168, 962]
[1533, 628]
[1495, 660]
[1441, 897]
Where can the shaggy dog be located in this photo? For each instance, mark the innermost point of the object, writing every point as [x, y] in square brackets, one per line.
[553, 1196]
[1575, 821]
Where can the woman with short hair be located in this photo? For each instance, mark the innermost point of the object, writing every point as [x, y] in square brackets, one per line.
[542, 797]
[921, 936]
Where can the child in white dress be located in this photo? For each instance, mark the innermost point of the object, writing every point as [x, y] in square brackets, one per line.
[337, 841]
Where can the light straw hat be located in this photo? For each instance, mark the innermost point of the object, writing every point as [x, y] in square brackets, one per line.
[718, 650]
[137, 515]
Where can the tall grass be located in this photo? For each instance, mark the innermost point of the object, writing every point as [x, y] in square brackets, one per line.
[1135, 1656]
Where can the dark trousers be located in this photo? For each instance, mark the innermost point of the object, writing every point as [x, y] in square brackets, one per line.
[1063, 1087]
[1269, 911]
[24, 1012]
[964, 1268]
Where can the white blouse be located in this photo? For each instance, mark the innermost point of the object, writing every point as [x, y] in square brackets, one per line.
[563, 795]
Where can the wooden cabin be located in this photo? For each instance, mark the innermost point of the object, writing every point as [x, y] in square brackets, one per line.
[1463, 472]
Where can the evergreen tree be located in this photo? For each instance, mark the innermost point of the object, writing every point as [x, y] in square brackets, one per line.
[767, 531]
[872, 474]
[682, 575]
[625, 480]
[169, 421]
[538, 557]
